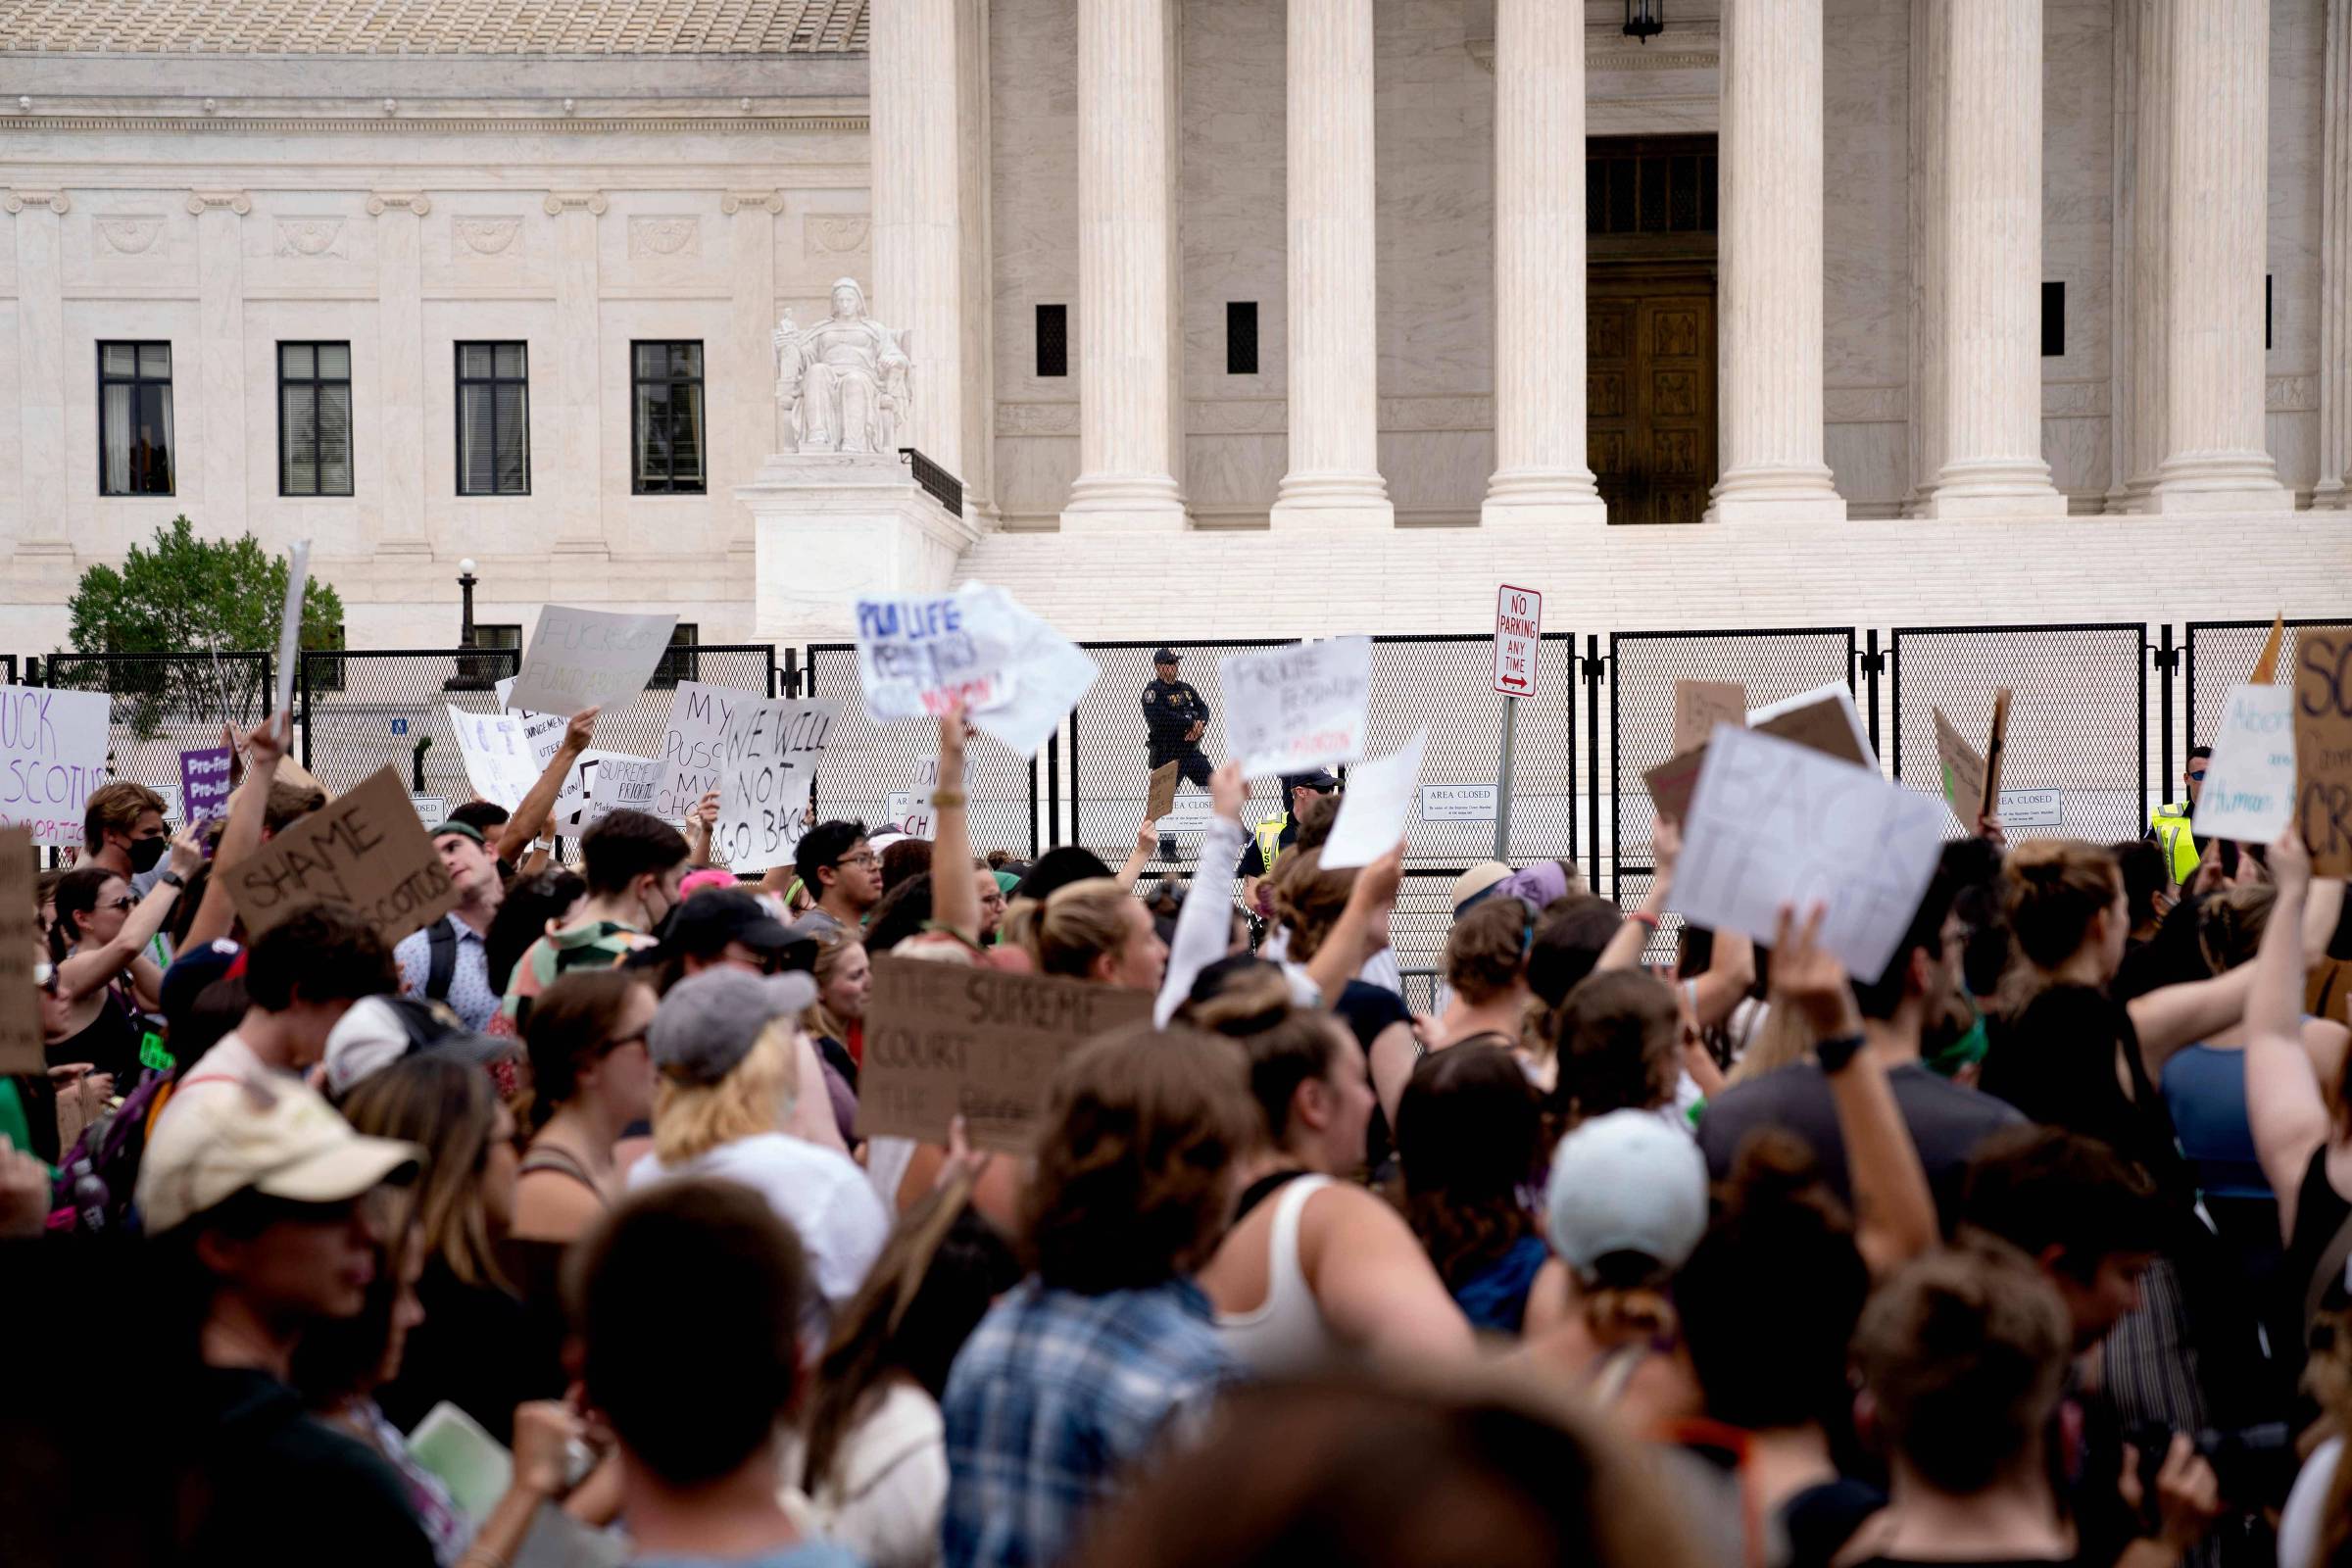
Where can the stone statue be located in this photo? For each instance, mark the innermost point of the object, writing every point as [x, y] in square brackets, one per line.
[844, 381]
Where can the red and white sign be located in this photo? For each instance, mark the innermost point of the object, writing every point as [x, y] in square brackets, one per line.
[1518, 635]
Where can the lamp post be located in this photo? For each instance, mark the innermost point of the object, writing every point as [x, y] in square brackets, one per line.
[1644, 18]
[470, 677]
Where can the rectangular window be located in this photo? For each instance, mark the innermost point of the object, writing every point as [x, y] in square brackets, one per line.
[314, 418]
[134, 419]
[1053, 340]
[494, 420]
[680, 663]
[665, 424]
[2053, 321]
[1241, 337]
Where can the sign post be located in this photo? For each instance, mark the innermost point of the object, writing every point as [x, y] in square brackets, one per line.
[1518, 645]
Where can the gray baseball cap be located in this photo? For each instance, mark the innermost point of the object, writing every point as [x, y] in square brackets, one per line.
[709, 1023]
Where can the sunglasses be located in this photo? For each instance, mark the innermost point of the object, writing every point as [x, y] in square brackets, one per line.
[126, 902]
[2197, 773]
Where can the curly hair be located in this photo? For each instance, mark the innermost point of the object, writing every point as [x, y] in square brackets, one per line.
[1130, 1189]
[1616, 1040]
[1468, 1133]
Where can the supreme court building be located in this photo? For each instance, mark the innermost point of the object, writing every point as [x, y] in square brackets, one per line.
[1231, 316]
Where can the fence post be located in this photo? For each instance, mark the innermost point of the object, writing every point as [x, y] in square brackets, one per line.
[1077, 800]
[2168, 660]
[1592, 674]
[1053, 788]
[302, 686]
[1874, 662]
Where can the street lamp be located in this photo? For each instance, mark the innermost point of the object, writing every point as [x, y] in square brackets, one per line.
[470, 677]
[1644, 18]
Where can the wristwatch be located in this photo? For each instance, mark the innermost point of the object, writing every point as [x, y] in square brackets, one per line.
[1833, 1054]
[172, 879]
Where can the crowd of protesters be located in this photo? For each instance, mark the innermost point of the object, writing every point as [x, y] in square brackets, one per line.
[552, 1234]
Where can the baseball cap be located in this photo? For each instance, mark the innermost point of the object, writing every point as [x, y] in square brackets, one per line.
[1166, 656]
[1622, 1183]
[713, 917]
[706, 1024]
[191, 973]
[463, 829]
[275, 1137]
[1472, 885]
[1320, 779]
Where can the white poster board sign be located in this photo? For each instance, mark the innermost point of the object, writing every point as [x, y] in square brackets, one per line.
[768, 769]
[1292, 710]
[431, 809]
[2249, 791]
[1373, 812]
[589, 659]
[289, 628]
[1518, 639]
[496, 755]
[1015, 675]
[690, 746]
[52, 754]
[618, 783]
[1457, 802]
[1775, 824]
[1192, 815]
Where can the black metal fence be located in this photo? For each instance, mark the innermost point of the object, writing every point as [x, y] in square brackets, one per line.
[354, 713]
[164, 704]
[2218, 655]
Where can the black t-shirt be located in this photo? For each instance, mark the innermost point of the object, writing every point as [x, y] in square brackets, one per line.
[2056, 1061]
[279, 1487]
[1947, 1122]
[2320, 1213]
[1368, 1010]
[479, 1348]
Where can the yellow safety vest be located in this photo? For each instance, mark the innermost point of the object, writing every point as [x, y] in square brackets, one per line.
[1269, 839]
[2171, 825]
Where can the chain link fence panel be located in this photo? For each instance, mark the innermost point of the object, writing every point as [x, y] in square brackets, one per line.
[2221, 655]
[361, 712]
[165, 704]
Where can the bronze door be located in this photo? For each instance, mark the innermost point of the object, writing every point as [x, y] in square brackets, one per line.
[1651, 397]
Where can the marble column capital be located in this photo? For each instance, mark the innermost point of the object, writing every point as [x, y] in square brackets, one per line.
[407, 201]
[560, 202]
[731, 202]
[201, 202]
[18, 199]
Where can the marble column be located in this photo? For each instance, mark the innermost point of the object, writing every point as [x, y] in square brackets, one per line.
[40, 369]
[1541, 474]
[400, 366]
[1988, 307]
[218, 389]
[2142, 240]
[1930, 60]
[1770, 257]
[751, 318]
[918, 227]
[1334, 476]
[577, 425]
[2215, 458]
[1129, 437]
[2335, 488]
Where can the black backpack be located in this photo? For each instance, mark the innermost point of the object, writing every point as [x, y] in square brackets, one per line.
[441, 967]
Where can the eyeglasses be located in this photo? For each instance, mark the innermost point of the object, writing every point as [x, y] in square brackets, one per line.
[861, 857]
[637, 1038]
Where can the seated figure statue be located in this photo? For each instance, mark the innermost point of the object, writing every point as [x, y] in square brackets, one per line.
[844, 381]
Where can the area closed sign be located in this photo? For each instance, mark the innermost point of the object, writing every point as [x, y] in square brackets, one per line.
[1518, 634]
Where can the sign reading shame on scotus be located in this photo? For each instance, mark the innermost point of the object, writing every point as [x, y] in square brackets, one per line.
[365, 853]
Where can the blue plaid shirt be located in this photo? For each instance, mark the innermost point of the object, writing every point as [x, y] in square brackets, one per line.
[1053, 1397]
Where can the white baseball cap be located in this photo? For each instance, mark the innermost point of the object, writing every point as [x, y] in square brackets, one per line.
[270, 1133]
[1626, 1182]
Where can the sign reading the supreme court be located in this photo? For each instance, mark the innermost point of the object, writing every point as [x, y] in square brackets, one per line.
[52, 754]
[21, 1041]
[943, 1041]
[363, 852]
[767, 771]
[1292, 709]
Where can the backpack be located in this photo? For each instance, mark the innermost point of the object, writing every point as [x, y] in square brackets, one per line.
[97, 1176]
[441, 964]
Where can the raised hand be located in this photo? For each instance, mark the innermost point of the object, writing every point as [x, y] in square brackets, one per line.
[580, 732]
[1808, 980]
[187, 850]
[1228, 791]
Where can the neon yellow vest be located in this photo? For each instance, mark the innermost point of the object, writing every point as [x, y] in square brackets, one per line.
[2171, 823]
[1269, 839]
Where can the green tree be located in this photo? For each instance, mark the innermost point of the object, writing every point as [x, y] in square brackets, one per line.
[197, 599]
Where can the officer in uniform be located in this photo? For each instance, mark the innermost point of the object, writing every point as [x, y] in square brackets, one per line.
[1280, 831]
[2169, 824]
[1174, 721]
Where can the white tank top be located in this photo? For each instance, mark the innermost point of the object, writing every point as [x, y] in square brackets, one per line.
[1287, 1335]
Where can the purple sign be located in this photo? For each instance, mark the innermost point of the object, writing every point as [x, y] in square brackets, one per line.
[204, 784]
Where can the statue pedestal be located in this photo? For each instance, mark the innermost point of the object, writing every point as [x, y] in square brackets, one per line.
[829, 529]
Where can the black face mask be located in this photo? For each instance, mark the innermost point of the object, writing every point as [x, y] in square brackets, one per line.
[669, 921]
[144, 853]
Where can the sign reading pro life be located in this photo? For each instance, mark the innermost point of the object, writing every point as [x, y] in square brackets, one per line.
[1518, 635]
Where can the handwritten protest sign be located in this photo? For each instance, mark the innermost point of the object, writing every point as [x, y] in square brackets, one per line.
[204, 783]
[1825, 720]
[690, 746]
[767, 768]
[1961, 770]
[1162, 797]
[1776, 823]
[20, 1046]
[943, 1041]
[589, 658]
[496, 755]
[1015, 675]
[1374, 810]
[1996, 750]
[1701, 704]
[2249, 791]
[1671, 782]
[2266, 663]
[364, 851]
[1291, 709]
[2324, 746]
[289, 629]
[52, 754]
[618, 783]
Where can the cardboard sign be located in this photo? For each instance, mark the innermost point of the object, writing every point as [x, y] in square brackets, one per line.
[1162, 798]
[2266, 664]
[1774, 824]
[690, 746]
[941, 1041]
[496, 755]
[1961, 770]
[20, 1046]
[2032, 809]
[1701, 704]
[2324, 746]
[52, 754]
[589, 659]
[1292, 710]
[767, 771]
[289, 631]
[2249, 791]
[1373, 812]
[1518, 639]
[1996, 750]
[364, 851]
[1671, 782]
[1457, 802]
[204, 783]
[1825, 720]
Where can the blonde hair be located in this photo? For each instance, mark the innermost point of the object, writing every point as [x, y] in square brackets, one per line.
[1080, 923]
[756, 1096]
[1783, 1040]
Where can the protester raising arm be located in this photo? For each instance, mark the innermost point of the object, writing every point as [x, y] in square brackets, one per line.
[700, 825]
[1369, 899]
[1717, 988]
[1146, 839]
[92, 967]
[1626, 948]
[524, 826]
[2283, 1103]
[1205, 925]
[216, 915]
[955, 902]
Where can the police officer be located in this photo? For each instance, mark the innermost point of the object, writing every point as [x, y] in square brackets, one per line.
[1280, 831]
[2169, 824]
[1174, 721]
